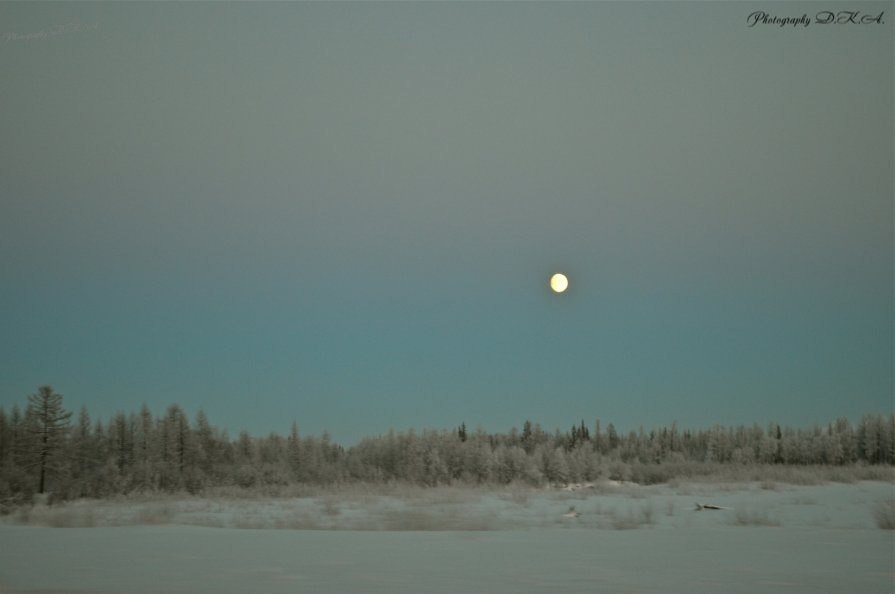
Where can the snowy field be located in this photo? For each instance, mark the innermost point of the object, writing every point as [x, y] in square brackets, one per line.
[606, 537]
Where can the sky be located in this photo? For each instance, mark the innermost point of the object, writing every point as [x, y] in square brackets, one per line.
[347, 214]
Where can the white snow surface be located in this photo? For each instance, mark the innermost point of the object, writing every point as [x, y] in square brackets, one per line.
[774, 538]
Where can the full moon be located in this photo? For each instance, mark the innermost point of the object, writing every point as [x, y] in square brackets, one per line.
[559, 282]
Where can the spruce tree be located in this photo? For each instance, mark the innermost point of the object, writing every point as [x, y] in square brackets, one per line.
[293, 450]
[47, 424]
[5, 438]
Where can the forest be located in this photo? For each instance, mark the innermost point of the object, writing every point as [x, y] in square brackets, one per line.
[47, 449]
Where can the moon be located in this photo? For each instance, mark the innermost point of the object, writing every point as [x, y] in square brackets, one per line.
[559, 282]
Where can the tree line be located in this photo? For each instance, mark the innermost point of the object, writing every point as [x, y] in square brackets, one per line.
[45, 449]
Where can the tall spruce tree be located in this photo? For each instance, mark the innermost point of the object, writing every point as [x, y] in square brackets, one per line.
[47, 424]
[5, 438]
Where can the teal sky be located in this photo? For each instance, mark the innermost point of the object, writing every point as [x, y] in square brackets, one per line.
[346, 213]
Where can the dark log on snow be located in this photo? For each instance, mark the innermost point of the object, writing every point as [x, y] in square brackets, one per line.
[702, 506]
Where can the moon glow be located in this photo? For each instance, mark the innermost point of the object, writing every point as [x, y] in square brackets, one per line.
[559, 282]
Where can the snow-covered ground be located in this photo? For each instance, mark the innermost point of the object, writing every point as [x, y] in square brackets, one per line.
[624, 538]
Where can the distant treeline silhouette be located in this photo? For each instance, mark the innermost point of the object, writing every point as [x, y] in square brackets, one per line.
[44, 450]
